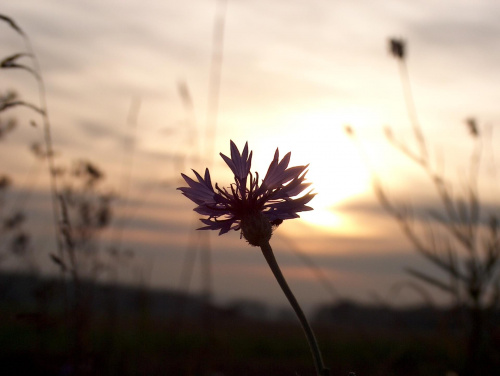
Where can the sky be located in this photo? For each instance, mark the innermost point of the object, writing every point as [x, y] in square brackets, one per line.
[128, 88]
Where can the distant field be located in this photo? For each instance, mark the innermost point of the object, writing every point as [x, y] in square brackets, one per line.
[142, 346]
[128, 332]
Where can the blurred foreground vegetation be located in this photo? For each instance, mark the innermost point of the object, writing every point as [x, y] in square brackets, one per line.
[167, 333]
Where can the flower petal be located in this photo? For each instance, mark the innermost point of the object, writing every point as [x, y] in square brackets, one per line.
[239, 164]
[200, 192]
[287, 209]
[278, 174]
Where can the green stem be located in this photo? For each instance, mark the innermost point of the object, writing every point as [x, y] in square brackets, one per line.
[267, 251]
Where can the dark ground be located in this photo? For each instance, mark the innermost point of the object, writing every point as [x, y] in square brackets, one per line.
[129, 334]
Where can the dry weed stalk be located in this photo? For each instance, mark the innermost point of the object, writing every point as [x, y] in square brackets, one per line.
[461, 238]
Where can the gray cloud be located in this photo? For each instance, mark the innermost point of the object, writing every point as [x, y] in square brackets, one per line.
[99, 132]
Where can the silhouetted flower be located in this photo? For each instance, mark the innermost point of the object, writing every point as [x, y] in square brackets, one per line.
[472, 125]
[13, 221]
[19, 244]
[4, 182]
[397, 47]
[247, 204]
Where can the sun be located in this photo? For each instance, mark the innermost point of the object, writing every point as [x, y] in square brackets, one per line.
[336, 168]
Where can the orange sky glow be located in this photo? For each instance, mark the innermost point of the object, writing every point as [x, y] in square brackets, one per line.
[128, 89]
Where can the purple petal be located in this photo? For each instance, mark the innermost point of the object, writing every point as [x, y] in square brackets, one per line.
[278, 174]
[210, 211]
[295, 187]
[287, 209]
[200, 192]
[239, 164]
[222, 225]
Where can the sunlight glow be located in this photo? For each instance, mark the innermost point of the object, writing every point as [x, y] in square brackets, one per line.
[322, 216]
[336, 170]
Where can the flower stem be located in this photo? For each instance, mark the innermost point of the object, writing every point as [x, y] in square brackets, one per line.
[267, 251]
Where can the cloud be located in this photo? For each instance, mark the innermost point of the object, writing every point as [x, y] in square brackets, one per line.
[100, 132]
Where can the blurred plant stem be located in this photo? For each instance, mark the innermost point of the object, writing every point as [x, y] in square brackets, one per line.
[267, 251]
[42, 97]
[457, 238]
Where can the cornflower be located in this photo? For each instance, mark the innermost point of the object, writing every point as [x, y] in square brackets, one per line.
[247, 205]
[255, 208]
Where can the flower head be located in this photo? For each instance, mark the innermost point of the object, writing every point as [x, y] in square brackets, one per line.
[397, 48]
[247, 204]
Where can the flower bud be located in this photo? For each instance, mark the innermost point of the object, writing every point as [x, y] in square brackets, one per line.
[256, 229]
